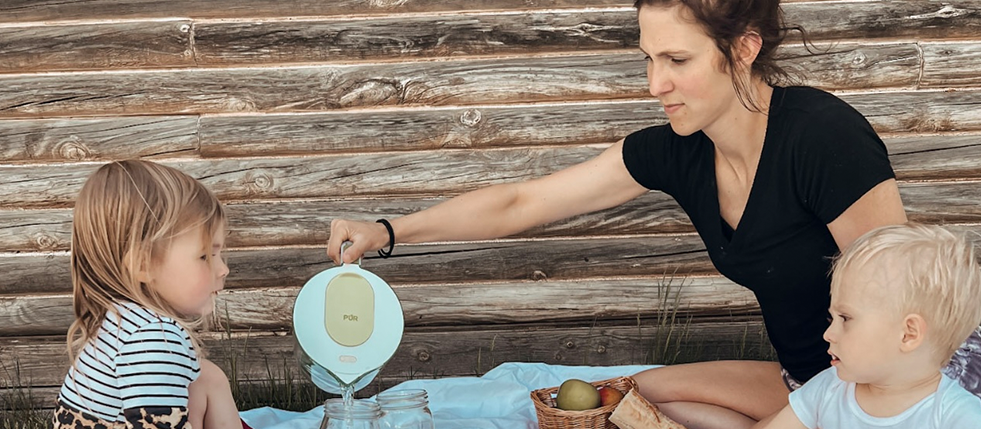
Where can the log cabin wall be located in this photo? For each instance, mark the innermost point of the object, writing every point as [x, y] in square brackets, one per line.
[299, 111]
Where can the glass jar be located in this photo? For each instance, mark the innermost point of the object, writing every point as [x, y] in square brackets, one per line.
[405, 409]
[360, 414]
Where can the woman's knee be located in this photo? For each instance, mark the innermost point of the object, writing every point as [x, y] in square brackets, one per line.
[660, 385]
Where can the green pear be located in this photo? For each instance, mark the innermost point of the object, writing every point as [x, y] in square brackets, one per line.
[577, 395]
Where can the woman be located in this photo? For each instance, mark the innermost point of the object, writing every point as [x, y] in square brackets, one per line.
[775, 180]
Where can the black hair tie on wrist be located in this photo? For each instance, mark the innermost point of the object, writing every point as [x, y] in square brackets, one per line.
[391, 239]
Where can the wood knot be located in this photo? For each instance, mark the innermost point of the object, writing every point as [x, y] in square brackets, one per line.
[601, 349]
[240, 105]
[184, 28]
[260, 182]
[423, 356]
[470, 118]
[45, 242]
[569, 344]
[859, 59]
[74, 149]
[538, 276]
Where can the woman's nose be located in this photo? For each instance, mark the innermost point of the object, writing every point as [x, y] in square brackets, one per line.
[658, 83]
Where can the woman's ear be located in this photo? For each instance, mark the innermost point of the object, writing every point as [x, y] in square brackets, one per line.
[914, 332]
[748, 47]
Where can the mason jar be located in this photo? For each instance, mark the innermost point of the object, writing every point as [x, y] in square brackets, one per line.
[405, 409]
[359, 414]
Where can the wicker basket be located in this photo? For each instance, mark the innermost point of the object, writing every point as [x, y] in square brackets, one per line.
[550, 417]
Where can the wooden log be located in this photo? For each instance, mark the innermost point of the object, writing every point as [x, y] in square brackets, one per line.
[951, 64]
[426, 353]
[115, 45]
[495, 33]
[302, 222]
[916, 158]
[27, 273]
[414, 173]
[465, 303]
[428, 173]
[407, 128]
[886, 19]
[822, 19]
[532, 124]
[587, 76]
[487, 33]
[916, 111]
[48, 10]
[306, 222]
[323, 87]
[404, 129]
[98, 139]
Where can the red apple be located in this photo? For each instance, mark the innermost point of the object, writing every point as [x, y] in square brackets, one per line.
[609, 395]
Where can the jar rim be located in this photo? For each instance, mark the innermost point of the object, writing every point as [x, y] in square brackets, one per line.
[359, 409]
[403, 398]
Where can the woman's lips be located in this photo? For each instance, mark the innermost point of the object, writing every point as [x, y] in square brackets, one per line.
[834, 359]
[671, 108]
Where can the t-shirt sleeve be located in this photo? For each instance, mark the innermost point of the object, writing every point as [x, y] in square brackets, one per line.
[155, 366]
[643, 154]
[840, 158]
[807, 400]
[960, 411]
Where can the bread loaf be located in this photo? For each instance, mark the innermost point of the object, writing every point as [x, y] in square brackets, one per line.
[634, 412]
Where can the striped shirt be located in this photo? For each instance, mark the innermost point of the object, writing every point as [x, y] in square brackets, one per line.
[138, 360]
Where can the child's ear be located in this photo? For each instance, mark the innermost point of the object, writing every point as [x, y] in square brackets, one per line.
[139, 267]
[914, 332]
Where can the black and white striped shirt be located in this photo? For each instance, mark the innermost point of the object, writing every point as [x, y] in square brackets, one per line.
[139, 360]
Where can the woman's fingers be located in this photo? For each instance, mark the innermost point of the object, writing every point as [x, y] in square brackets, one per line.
[363, 236]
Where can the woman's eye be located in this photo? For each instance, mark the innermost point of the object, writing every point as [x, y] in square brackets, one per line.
[647, 57]
[679, 61]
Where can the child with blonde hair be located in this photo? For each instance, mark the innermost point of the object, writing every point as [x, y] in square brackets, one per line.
[903, 299]
[146, 265]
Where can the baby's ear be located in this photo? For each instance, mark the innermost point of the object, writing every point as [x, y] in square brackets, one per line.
[914, 332]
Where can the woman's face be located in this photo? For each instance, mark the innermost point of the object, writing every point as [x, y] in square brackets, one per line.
[684, 69]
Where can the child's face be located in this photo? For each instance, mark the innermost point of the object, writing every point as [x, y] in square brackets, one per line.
[866, 330]
[185, 278]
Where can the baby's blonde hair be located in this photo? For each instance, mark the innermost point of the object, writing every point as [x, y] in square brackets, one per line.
[124, 218]
[939, 272]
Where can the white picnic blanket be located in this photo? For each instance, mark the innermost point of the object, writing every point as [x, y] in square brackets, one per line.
[500, 399]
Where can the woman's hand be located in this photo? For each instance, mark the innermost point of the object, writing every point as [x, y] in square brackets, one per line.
[364, 236]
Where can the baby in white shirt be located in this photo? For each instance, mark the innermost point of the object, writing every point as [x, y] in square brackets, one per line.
[903, 299]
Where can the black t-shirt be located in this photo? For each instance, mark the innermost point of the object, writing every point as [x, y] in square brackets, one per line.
[819, 156]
